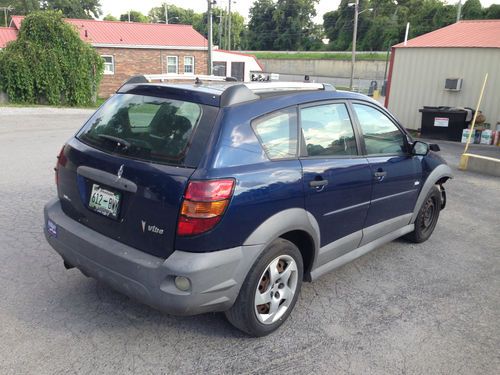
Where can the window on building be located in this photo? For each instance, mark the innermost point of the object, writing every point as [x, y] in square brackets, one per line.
[381, 135]
[189, 65]
[109, 64]
[327, 130]
[172, 64]
[277, 132]
[219, 68]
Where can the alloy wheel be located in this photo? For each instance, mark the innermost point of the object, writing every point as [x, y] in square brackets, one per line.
[276, 288]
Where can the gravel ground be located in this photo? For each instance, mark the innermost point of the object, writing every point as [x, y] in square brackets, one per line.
[432, 308]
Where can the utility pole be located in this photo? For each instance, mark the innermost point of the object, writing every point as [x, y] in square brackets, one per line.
[226, 18]
[129, 16]
[5, 10]
[166, 12]
[210, 41]
[354, 37]
[229, 28]
[220, 31]
[459, 10]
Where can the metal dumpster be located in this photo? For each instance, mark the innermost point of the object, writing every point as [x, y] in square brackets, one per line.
[444, 122]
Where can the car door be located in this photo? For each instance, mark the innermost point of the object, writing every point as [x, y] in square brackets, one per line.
[396, 174]
[336, 177]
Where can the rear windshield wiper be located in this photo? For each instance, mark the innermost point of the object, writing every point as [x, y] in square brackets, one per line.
[120, 142]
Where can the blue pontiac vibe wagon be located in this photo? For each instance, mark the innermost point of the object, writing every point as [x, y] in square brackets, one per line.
[226, 196]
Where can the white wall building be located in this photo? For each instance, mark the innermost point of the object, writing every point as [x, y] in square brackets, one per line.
[466, 50]
[234, 64]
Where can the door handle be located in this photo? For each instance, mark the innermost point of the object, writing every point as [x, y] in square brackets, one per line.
[380, 175]
[318, 183]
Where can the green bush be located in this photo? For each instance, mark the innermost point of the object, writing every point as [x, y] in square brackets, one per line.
[49, 63]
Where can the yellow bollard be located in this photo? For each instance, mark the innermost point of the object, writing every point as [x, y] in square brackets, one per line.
[464, 161]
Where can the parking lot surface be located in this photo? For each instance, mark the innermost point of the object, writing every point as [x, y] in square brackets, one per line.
[432, 308]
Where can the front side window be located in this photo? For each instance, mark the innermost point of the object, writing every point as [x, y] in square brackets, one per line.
[277, 133]
[327, 130]
[189, 65]
[109, 64]
[143, 127]
[172, 64]
[380, 134]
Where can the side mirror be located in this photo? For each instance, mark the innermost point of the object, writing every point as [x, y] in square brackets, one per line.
[420, 148]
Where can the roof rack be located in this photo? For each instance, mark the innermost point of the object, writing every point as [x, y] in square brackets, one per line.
[147, 78]
[245, 92]
[236, 93]
[287, 86]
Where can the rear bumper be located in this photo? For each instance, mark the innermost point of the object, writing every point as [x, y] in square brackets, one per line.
[216, 277]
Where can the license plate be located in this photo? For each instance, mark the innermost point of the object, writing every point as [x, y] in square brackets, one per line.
[104, 201]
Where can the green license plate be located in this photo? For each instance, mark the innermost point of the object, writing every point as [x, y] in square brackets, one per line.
[104, 201]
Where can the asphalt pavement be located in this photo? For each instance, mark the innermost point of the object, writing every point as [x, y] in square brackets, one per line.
[432, 308]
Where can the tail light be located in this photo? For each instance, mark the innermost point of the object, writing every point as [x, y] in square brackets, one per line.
[61, 161]
[203, 206]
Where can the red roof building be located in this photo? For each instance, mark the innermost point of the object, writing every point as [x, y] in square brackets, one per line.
[134, 34]
[7, 34]
[130, 48]
[461, 53]
[470, 34]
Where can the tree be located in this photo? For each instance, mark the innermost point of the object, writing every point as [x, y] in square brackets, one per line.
[493, 12]
[293, 23]
[110, 17]
[74, 8]
[199, 21]
[175, 15]
[339, 25]
[69, 8]
[262, 25]
[49, 63]
[445, 15]
[135, 16]
[386, 23]
[283, 25]
[472, 10]
[314, 40]
[220, 22]
[20, 7]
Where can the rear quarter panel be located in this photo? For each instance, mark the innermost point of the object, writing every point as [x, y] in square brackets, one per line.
[263, 187]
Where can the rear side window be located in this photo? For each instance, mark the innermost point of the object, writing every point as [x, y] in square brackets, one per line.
[327, 130]
[144, 127]
[277, 133]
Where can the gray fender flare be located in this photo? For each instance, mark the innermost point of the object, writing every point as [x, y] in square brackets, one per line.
[438, 173]
[283, 222]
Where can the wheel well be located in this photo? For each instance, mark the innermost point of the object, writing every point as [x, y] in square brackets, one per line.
[305, 243]
[442, 191]
[442, 180]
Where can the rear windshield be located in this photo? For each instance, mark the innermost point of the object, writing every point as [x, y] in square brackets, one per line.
[144, 127]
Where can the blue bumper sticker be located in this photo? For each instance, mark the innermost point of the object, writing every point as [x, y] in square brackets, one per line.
[52, 228]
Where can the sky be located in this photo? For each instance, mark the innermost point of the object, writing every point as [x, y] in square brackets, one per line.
[117, 7]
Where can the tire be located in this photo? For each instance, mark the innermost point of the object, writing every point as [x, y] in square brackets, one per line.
[427, 217]
[263, 284]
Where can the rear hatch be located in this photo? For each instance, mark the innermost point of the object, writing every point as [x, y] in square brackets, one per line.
[125, 172]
